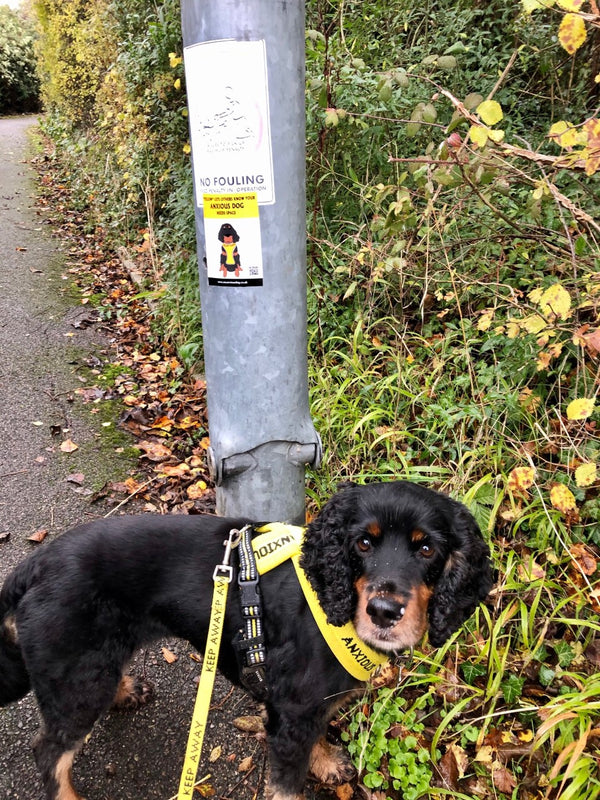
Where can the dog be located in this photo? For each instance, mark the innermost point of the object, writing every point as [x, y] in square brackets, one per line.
[397, 559]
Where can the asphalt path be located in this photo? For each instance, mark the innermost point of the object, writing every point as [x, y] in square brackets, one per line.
[45, 356]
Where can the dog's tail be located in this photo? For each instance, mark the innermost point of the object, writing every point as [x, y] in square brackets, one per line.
[14, 680]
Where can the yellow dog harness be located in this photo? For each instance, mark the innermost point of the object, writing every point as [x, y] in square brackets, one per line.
[275, 544]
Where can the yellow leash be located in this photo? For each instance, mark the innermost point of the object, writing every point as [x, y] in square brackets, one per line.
[276, 543]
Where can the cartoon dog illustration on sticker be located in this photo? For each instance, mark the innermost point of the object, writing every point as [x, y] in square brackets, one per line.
[230, 257]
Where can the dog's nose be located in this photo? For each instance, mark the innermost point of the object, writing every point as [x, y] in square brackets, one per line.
[385, 611]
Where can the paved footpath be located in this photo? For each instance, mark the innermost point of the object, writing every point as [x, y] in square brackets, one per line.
[44, 358]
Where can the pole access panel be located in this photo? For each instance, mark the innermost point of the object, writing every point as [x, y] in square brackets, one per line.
[244, 66]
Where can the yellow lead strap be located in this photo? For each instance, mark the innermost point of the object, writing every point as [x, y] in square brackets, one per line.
[222, 579]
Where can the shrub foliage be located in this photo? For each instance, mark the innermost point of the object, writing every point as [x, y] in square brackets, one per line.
[19, 84]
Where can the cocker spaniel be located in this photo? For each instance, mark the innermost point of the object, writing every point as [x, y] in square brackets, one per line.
[397, 559]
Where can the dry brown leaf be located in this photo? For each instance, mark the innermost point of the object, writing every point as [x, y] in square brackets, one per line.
[215, 754]
[246, 764]
[68, 446]
[584, 558]
[249, 724]
[503, 779]
[38, 536]
[155, 451]
[168, 655]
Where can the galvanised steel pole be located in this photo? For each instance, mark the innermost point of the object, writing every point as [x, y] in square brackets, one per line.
[244, 62]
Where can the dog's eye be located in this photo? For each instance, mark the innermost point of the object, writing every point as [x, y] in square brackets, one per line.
[426, 550]
[364, 544]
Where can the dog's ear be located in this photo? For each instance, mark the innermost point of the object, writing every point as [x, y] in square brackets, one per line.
[325, 557]
[465, 581]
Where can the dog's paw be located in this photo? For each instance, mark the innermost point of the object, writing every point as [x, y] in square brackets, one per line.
[330, 763]
[132, 693]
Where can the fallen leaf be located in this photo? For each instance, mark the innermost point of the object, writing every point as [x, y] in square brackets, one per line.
[503, 779]
[521, 479]
[215, 754]
[68, 446]
[38, 536]
[580, 408]
[585, 474]
[246, 764]
[562, 498]
[196, 490]
[584, 558]
[249, 724]
[76, 477]
[168, 655]
[155, 451]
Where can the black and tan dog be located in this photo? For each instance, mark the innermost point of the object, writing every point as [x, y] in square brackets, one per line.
[394, 558]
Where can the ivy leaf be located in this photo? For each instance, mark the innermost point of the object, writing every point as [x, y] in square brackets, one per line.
[512, 688]
[490, 112]
[581, 408]
[572, 33]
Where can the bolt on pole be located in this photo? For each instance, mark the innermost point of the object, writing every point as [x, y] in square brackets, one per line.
[244, 66]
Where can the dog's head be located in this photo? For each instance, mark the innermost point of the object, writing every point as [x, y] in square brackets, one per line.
[396, 559]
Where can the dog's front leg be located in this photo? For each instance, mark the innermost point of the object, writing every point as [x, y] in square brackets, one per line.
[290, 738]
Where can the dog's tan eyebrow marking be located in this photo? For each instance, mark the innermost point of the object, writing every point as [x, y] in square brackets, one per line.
[417, 536]
[374, 528]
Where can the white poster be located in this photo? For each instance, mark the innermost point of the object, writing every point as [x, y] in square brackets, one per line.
[228, 103]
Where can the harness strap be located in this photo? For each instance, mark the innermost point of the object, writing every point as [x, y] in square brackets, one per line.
[249, 644]
[279, 542]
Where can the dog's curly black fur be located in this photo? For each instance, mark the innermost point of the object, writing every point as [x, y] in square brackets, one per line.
[395, 558]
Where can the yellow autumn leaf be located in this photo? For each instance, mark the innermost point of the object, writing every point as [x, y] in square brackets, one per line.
[485, 320]
[533, 324]
[562, 498]
[570, 5]
[490, 111]
[564, 133]
[529, 6]
[572, 33]
[521, 479]
[543, 361]
[585, 474]
[478, 135]
[580, 408]
[177, 83]
[496, 135]
[512, 330]
[186, 148]
[591, 131]
[556, 300]
[535, 295]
